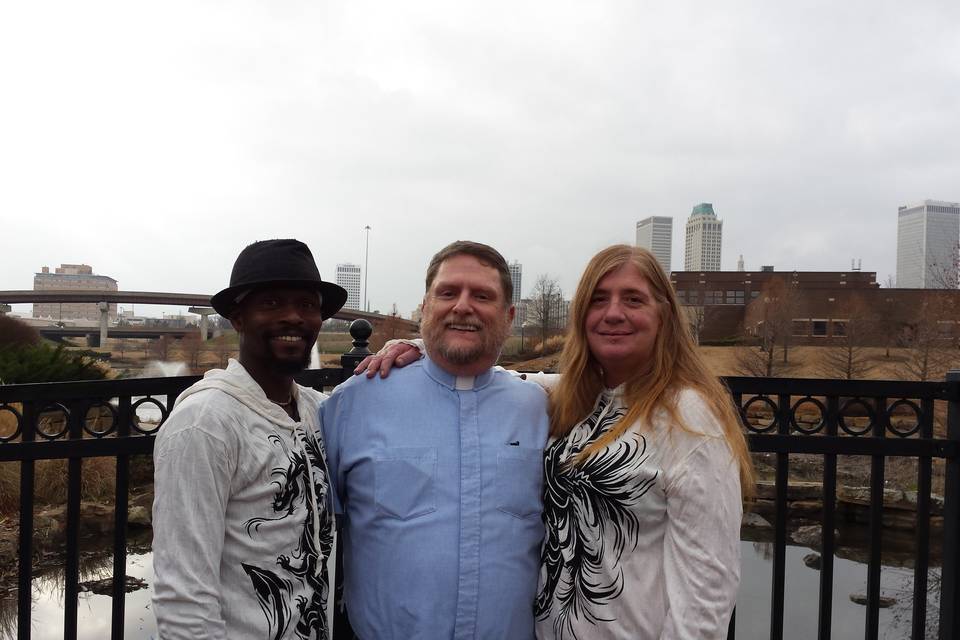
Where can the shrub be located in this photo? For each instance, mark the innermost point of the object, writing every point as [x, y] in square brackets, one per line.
[41, 362]
[553, 344]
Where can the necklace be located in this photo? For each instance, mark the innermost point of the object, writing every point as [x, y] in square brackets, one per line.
[284, 404]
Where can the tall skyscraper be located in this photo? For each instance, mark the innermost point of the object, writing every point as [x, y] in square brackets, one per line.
[516, 277]
[656, 234]
[348, 277]
[704, 235]
[928, 234]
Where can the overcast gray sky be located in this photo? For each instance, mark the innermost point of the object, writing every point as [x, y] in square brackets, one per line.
[154, 141]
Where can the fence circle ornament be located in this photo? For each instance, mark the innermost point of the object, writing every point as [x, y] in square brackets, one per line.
[917, 412]
[821, 409]
[134, 418]
[114, 419]
[53, 407]
[745, 413]
[843, 414]
[17, 416]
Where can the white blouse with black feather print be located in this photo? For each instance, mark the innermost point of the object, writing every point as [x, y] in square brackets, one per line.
[642, 537]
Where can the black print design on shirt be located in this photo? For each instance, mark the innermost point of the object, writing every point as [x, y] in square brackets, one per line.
[274, 590]
[584, 505]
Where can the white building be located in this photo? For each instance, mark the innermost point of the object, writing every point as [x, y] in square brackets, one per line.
[348, 277]
[656, 234]
[927, 237]
[704, 237]
[516, 276]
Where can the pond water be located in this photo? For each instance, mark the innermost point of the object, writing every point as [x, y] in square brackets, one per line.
[753, 608]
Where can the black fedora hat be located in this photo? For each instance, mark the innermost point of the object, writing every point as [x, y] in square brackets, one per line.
[277, 263]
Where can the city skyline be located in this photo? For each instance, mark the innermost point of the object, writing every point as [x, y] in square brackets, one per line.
[510, 124]
[352, 280]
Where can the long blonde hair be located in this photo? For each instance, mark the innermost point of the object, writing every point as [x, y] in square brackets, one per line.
[675, 365]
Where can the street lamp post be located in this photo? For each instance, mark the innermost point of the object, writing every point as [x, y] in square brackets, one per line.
[366, 260]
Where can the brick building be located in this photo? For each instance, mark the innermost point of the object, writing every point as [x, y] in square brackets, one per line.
[72, 277]
[820, 305]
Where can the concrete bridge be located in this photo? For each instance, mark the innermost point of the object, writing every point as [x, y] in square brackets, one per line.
[197, 303]
[57, 334]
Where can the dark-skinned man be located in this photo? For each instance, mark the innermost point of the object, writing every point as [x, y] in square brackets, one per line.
[242, 520]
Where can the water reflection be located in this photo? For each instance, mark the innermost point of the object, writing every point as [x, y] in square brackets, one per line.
[801, 597]
[94, 611]
[753, 605]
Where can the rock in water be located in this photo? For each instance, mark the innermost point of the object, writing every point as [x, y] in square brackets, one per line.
[861, 598]
[813, 560]
[105, 587]
[755, 521]
[807, 536]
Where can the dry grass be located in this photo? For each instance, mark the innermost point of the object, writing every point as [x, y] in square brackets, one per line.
[807, 362]
[553, 344]
[97, 480]
[8, 421]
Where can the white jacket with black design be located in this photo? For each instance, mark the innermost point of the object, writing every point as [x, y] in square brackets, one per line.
[241, 518]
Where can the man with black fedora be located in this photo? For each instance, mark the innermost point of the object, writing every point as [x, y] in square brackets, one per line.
[241, 519]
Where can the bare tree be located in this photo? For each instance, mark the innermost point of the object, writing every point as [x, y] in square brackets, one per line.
[698, 318]
[847, 358]
[545, 305]
[160, 348]
[770, 315]
[888, 329]
[224, 347]
[122, 345]
[927, 344]
[943, 273]
[757, 361]
[191, 346]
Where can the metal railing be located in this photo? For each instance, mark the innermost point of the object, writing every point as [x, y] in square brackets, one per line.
[862, 418]
[56, 421]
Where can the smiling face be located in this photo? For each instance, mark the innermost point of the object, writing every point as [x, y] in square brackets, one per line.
[621, 324]
[278, 328]
[466, 318]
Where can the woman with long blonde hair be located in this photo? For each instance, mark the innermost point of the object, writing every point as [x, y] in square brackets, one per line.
[645, 472]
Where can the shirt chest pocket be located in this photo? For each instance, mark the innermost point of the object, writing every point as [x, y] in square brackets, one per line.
[404, 482]
[519, 482]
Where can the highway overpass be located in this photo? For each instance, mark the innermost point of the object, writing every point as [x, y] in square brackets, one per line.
[198, 304]
[196, 300]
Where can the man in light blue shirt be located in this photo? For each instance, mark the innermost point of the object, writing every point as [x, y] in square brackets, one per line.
[437, 471]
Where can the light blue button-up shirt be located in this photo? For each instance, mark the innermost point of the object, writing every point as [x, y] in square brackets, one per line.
[439, 480]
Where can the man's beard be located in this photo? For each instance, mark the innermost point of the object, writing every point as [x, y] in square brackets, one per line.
[292, 367]
[492, 338]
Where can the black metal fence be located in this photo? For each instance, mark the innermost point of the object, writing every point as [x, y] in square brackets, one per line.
[882, 420]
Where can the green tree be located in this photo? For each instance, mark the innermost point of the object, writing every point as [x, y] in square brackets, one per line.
[42, 362]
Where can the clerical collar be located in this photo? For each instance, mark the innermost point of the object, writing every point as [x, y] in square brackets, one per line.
[457, 383]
